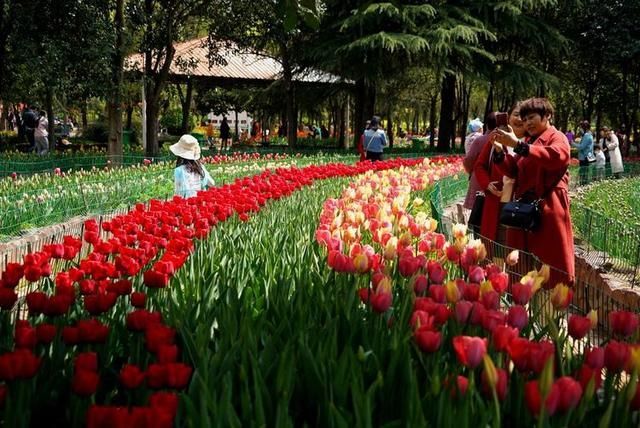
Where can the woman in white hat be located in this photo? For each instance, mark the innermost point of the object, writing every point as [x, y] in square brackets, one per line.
[190, 175]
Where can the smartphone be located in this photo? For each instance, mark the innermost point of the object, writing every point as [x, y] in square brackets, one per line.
[502, 119]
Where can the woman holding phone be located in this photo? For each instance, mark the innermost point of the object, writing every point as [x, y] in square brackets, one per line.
[491, 179]
[540, 168]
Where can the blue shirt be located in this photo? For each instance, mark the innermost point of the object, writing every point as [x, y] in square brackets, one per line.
[585, 146]
[374, 140]
[187, 184]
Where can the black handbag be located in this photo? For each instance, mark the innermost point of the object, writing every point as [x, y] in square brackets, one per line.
[522, 215]
[476, 212]
[525, 214]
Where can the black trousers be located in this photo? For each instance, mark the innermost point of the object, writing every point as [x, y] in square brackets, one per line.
[374, 156]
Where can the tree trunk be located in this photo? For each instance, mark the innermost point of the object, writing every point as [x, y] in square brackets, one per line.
[447, 102]
[364, 105]
[344, 142]
[115, 102]
[290, 106]
[488, 107]
[625, 75]
[237, 125]
[389, 127]
[83, 115]
[129, 116]
[432, 121]
[152, 129]
[186, 107]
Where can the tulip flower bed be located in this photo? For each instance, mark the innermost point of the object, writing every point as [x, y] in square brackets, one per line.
[605, 214]
[99, 343]
[474, 356]
[45, 199]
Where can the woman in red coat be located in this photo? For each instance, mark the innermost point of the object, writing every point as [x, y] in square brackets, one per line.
[490, 179]
[540, 168]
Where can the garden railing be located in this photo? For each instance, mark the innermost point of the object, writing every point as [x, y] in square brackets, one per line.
[587, 296]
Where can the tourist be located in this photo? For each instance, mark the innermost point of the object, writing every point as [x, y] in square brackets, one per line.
[211, 132]
[570, 136]
[190, 175]
[601, 161]
[475, 131]
[224, 133]
[360, 146]
[470, 160]
[540, 168]
[41, 135]
[30, 121]
[491, 181]
[585, 150]
[613, 147]
[375, 140]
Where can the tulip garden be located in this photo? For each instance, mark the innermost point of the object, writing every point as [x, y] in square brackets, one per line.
[298, 293]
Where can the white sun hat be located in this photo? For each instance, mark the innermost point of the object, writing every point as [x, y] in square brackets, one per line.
[187, 147]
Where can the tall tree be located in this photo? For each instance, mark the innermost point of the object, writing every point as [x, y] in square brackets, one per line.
[114, 105]
[277, 30]
[163, 23]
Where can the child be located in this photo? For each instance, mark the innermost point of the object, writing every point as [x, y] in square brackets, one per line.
[190, 175]
[600, 162]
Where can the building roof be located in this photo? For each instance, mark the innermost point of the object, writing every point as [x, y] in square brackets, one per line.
[191, 59]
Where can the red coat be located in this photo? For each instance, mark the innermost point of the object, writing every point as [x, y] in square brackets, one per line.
[485, 173]
[552, 243]
[360, 149]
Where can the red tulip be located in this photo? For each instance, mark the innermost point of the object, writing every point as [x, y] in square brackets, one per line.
[594, 358]
[436, 292]
[85, 383]
[436, 272]
[570, 393]
[157, 335]
[490, 299]
[521, 293]
[492, 319]
[86, 361]
[138, 299]
[19, 364]
[427, 340]
[154, 279]
[131, 376]
[8, 298]
[517, 317]
[623, 323]
[470, 350]
[25, 337]
[534, 400]
[502, 337]
[616, 356]
[178, 375]
[156, 375]
[463, 311]
[165, 400]
[420, 283]
[92, 331]
[36, 300]
[579, 326]
[499, 281]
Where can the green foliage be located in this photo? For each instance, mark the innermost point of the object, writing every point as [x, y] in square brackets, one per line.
[172, 121]
[98, 132]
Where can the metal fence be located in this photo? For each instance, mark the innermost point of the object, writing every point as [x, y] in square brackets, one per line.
[590, 293]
